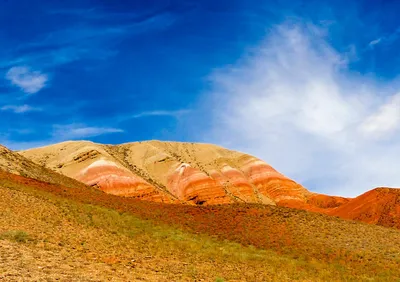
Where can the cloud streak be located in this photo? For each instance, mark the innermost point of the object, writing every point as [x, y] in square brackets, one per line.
[294, 103]
[20, 109]
[374, 42]
[389, 38]
[175, 114]
[78, 131]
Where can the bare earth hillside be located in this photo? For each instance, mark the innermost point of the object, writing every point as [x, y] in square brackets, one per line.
[202, 174]
[379, 206]
[170, 172]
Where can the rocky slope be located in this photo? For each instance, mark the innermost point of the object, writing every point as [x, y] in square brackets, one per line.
[171, 172]
[13, 162]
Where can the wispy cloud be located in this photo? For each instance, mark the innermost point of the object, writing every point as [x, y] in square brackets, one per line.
[27, 80]
[388, 38]
[20, 109]
[175, 114]
[132, 17]
[77, 131]
[294, 103]
[95, 38]
[374, 42]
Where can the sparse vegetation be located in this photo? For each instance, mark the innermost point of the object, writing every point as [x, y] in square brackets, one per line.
[15, 235]
[181, 243]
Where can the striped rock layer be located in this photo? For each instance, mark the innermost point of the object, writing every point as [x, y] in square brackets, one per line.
[117, 180]
[172, 172]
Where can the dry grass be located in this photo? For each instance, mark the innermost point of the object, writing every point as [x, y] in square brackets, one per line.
[88, 242]
[71, 239]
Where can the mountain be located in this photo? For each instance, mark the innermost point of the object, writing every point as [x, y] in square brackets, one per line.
[15, 163]
[171, 172]
[202, 174]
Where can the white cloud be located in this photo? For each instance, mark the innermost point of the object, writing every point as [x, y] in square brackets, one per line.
[176, 113]
[19, 109]
[294, 103]
[28, 80]
[385, 120]
[76, 131]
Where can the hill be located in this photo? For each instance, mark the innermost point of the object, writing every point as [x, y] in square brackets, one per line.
[378, 206]
[17, 164]
[170, 172]
[92, 236]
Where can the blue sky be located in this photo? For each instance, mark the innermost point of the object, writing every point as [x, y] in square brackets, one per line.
[311, 87]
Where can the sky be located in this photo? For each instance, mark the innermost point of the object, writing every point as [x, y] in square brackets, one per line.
[310, 87]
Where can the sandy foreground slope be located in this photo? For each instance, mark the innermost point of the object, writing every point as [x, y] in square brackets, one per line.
[82, 234]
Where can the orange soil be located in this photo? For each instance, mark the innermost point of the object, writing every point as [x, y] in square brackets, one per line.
[379, 206]
[316, 203]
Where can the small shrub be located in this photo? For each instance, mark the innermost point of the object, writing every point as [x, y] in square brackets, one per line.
[219, 279]
[15, 235]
